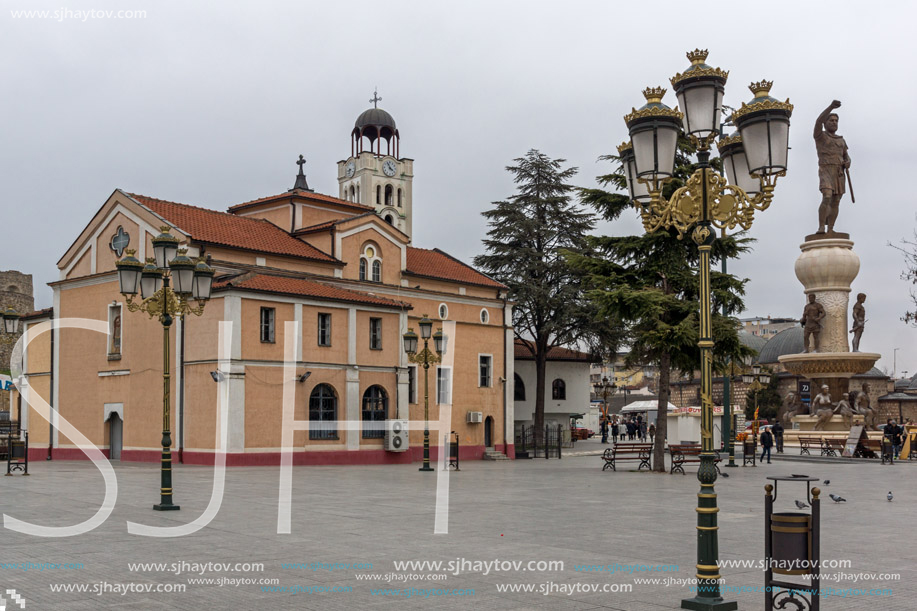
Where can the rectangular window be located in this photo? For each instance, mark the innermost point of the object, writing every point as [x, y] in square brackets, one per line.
[485, 367]
[375, 334]
[443, 385]
[324, 329]
[267, 325]
[412, 384]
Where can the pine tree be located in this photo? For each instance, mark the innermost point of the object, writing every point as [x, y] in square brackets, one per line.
[529, 232]
[650, 282]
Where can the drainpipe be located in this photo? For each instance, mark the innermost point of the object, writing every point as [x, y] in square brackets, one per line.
[51, 396]
[181, 397]
[506, 381]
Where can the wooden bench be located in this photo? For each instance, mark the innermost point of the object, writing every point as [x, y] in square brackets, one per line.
[688, 453]
[832, 446]
[805, 443]
[628, 451]
[868, 448]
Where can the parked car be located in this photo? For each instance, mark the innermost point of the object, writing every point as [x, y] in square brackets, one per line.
[761, 424]
[581, 432]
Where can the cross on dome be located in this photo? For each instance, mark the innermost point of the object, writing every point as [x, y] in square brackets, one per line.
[376, 99]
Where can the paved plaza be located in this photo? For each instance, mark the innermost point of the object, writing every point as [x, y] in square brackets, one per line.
[374, 516]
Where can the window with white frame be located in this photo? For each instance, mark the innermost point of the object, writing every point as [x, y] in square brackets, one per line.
[443, 311]
[485, 370]
[267, 325]
[371, 263]
[324, 329]
[377, 271]
[362, 268]
[412, 383]
[485, 316]
[443, 385]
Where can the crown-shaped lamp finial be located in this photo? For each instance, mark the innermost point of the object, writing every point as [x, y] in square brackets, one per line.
[697, 56]
[762, 88]
[654, 95]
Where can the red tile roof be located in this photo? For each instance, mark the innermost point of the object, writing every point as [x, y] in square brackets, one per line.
[328, 224]
[557, 353]
[38, 314]
[437, 264]
[320, 197]
[221, 228]
[306, 288]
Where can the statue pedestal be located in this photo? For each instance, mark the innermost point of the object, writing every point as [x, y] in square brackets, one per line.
[829, 368]
[835, 425]
[826, 268]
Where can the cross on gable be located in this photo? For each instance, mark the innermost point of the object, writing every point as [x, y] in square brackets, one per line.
[376, 99]
[120, 241]
[301, 163]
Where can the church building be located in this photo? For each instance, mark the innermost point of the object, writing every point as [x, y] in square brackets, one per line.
[343, 268]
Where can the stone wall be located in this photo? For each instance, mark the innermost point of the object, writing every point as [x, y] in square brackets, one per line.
[16, 293]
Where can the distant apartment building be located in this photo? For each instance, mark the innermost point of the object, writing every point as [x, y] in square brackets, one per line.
[767, 327]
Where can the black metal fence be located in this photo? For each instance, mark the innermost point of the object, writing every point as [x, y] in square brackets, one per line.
[549, 446]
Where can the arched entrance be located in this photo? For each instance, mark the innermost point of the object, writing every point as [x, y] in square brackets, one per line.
[489, 432]
[115, 429]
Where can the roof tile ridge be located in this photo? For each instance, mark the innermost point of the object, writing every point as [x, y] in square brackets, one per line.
[211, 210]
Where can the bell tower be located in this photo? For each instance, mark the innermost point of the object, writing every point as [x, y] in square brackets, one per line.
[375, 178]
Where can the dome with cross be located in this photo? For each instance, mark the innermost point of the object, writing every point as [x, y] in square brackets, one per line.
[375, 125]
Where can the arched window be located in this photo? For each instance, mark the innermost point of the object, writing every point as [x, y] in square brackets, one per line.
[377, 271]
[389, 219]
[362, 268]
[358, 194]
[323, 407]
[399, 198]
[388, 195]
[353, 194]
[559, 390]
[379, 194]
[518, 388]
[375, 410]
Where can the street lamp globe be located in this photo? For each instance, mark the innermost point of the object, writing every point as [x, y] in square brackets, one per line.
[203, 281]
[438, 341]
[699, 90]
[182, 272]
[129, 270]
[732, 152]
[165, 247]
[410, 342]
[639, 191]
[426, 327]
[654, 130]
[150, 279]
[10, 321]
[764, 124]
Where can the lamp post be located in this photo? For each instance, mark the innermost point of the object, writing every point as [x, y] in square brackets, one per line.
[160, 299]
[605, 390]
[756, 380]
[425, 357]
[706, 201]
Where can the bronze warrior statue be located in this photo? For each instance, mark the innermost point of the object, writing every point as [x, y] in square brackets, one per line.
[811, 321]
[859, 321]
[833, 163]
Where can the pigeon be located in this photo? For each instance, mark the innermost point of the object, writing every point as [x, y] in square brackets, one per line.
[802, 505]
[826, 482]
[837, 499]
[725, 474]
[890, 496]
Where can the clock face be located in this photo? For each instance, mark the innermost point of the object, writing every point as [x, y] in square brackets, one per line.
[388, 166]
[350, 169]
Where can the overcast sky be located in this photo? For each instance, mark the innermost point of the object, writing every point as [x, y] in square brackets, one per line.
[210, 103]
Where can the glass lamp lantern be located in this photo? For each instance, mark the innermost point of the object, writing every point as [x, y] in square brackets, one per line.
[150, 279]
[182, 272]
[165, 247]
[438, 340]
[736, 165]
[654, 130]
[410, 342]
[699, 90]
[11, 321]
[639, 191]
[129, 270]
[764, 124]
[426, 327]
[203, 281]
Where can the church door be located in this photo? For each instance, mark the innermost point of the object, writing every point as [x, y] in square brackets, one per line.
[489, 432]
[114, 437]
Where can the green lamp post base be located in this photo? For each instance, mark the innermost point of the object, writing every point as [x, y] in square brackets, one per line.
[166, 507]
[426, 468]
[709, 604]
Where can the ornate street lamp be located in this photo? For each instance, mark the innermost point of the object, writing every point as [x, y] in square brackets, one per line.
[159, 299]
[425, 357]
[10, 323]
[756, 380]
[605, 390]
[707, 200]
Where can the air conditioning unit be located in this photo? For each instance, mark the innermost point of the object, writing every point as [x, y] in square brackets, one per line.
[475, 417]
[396, 435]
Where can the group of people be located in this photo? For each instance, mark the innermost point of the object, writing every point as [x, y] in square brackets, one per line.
[632, 429]
[772, 435]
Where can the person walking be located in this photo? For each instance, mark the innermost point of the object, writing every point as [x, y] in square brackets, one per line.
[767, 442]
[892, 432]
[615, 429]
[777, 429]
[652, 432]
[631, 427]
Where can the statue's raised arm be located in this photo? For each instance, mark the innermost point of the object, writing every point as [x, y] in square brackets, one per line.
[823, 117]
